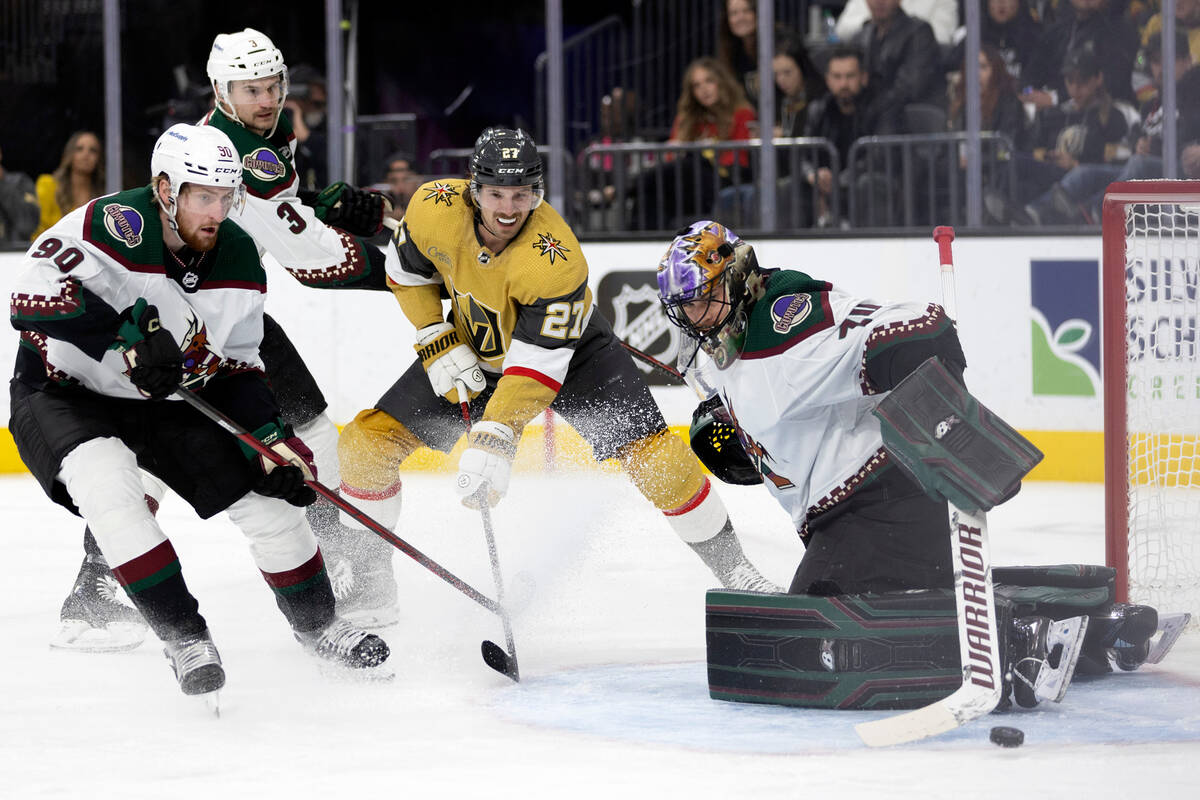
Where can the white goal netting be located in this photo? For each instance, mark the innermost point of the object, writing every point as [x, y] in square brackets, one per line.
[1162, 403]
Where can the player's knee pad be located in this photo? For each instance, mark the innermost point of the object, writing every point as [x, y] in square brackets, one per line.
[664, 469]
[321, 436]
[371, 448]
[279, 535]
[104, 481]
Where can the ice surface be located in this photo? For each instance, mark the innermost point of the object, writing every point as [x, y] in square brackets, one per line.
[613, 698]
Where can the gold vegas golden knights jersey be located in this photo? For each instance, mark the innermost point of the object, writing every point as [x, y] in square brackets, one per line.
[522, 310]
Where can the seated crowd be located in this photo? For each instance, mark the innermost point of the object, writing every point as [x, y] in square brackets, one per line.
[1069, 101]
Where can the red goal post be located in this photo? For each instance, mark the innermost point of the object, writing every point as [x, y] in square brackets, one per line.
[1151, 367]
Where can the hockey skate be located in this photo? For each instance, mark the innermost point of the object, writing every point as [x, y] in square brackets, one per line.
[1042, 655]
[196, 663]
[97, 616]
[744, 577]
[347, 651]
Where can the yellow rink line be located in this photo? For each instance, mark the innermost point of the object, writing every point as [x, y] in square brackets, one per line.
[1070, 455]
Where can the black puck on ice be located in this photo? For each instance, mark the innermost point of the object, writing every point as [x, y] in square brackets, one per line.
[1007, 737]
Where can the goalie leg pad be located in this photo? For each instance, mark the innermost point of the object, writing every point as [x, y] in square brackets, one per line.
[865, 651]
[950, 443]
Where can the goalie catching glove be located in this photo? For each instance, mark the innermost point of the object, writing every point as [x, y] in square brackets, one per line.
[359, 212]
[284, 482]
[151, 353]
[446, 360]
[487, 461]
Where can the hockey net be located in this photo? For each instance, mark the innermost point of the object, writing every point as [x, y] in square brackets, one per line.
[1151, 329]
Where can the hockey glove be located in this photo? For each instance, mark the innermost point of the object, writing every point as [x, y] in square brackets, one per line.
[446, 360]
[359, 212]
[286, 483]
[487, 462]
[153, 358]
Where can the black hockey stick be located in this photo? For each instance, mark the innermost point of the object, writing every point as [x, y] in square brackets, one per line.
[652, 361]
[217, 416]
[504, 661]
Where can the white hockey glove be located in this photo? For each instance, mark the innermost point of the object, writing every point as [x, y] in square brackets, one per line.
[446, 359]
[486, 461]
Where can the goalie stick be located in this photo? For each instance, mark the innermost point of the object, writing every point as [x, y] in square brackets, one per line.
[217, 416]
[975, 602]
[504, 661]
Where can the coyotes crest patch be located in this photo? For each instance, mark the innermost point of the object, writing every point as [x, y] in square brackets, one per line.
[264, 164]
[547, 245]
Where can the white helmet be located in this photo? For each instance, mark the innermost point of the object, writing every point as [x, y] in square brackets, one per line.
[241, 56]
[199, 154]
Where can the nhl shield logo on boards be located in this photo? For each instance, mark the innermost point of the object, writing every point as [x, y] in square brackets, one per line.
[639, 320]
[123, 222]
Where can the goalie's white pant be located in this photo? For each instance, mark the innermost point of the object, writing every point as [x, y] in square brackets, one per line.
[104, 480]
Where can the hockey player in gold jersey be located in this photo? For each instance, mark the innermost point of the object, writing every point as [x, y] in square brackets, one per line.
[521, 336]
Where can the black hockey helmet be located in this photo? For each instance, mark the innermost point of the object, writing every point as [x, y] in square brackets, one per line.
[506, 157]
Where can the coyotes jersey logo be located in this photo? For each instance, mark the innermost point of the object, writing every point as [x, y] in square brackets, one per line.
[758, 454]
[199, 361]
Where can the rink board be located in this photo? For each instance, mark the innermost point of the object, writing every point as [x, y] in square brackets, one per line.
[1028, 318]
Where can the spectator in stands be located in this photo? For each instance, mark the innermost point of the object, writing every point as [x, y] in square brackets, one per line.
[843, 115]
[942, 16]
[797, 83]
[1000, 108]
[603, 171]
[712, 107]
[737, 48]
[78, 178]
[1189, 160]
[19, 210]
[795, 88]
[1187, 20]
[1010, 27]
[902, 60]
[1076, 198]
[1087, 129]
[1114, 36]
[305, 106]
[402, 182]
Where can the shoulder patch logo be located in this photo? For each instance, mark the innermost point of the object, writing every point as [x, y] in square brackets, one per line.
[547, 245]
[264, 164]
[123, 222]
[789, 311]
[441, 193]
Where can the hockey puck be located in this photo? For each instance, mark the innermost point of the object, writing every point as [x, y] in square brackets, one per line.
[1007, 737]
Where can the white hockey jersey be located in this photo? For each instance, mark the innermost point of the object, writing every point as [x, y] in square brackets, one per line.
[800, 394]
[99, 260]
[314, 253]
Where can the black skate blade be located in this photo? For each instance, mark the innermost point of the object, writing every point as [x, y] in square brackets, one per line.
[495, 657]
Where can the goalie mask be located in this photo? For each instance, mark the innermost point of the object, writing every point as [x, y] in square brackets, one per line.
[198, 154]
[506, 157]
[242, 56]
[703, 287]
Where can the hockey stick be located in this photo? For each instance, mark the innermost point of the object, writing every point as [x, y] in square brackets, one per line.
[979, 650]
[217, 416]
[652, 361]
[504, 661]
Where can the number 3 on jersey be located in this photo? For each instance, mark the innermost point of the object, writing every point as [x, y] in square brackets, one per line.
[563, 320]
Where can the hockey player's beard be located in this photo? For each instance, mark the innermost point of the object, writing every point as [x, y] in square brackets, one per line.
[198, 239]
